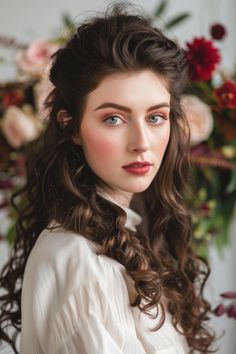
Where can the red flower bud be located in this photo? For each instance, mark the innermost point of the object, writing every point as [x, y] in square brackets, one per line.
[6, 184]
[229, 295]
[219, 310]
[231, 311]
[226, 95]
[217, 31]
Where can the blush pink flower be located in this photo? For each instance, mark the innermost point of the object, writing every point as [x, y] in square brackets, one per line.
[202, 58]
[34, 59]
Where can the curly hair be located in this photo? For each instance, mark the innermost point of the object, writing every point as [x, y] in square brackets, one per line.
[61, 186]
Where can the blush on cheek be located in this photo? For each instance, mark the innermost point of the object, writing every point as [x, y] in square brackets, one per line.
[105, 148]
[163, 142]
[100, 145]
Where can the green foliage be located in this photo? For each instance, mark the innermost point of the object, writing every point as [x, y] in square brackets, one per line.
[161, 10]
[176, 20]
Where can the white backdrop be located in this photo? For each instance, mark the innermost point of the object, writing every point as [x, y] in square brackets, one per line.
[29, 19]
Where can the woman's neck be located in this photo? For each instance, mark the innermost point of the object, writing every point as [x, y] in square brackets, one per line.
[119, 197]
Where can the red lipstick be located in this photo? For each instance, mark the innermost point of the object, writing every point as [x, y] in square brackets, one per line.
[138, 167]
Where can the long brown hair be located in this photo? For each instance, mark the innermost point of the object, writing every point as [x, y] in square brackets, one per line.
[61, 186]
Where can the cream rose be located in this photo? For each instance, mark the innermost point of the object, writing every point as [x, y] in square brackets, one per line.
[199, 117]
[20, 126]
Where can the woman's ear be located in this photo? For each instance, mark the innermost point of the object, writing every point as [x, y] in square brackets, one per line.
[63, 118]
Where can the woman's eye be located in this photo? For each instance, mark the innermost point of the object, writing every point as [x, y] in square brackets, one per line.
[157, 119]
[113, 120]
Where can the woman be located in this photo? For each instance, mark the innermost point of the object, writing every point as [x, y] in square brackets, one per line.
[103, 246]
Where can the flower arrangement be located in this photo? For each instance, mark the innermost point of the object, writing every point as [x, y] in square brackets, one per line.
[210, 106]
[210, 109]
[22, 115]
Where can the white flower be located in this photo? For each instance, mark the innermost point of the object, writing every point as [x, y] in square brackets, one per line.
[20, 127]
[199, 117]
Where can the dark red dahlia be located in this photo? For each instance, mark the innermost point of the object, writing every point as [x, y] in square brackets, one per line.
[217, 31]
[226, 95]
[202, 58]
[13, 97]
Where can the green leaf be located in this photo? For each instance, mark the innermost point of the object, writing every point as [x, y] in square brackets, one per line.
[204, 87]
[161, 8]
[227, 208]
[177, 20]
[201, 250]
[11, 233]
[67, 21]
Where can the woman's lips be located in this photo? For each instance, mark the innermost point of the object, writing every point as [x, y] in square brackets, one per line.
[137, 170]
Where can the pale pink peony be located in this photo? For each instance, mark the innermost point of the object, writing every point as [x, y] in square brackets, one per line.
[36, 57]
[20, 127]
[199, 117]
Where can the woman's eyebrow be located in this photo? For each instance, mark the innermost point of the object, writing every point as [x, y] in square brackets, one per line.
[128, 110]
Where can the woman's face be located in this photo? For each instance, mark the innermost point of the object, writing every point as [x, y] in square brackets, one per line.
[126, 119]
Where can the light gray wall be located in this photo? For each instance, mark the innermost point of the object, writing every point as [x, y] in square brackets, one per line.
[28, 19]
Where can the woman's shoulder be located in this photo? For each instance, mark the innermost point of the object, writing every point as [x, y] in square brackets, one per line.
[62, 246]
[65, 281]
[68, 257]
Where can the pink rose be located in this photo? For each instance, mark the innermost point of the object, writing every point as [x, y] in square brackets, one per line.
[19, 127]
[34, 59]
[199, 117]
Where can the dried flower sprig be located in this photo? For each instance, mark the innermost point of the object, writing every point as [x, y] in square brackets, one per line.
[11, 42]
[227, 309]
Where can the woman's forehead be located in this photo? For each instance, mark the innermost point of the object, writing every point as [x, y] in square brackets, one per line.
[131, 86]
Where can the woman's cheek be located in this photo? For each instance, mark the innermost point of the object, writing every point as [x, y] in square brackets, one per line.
[160, 142]
[106, 148]
[165, 142]
[100, 145]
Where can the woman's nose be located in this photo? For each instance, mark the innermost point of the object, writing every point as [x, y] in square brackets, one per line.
[139, 139]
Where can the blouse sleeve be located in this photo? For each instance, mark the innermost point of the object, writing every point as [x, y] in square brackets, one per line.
[92, 338]
[96, 318]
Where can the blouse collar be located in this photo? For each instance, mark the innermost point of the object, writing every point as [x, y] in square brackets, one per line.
[132, 219]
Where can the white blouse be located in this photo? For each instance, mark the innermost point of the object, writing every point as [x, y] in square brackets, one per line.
[75, 302]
